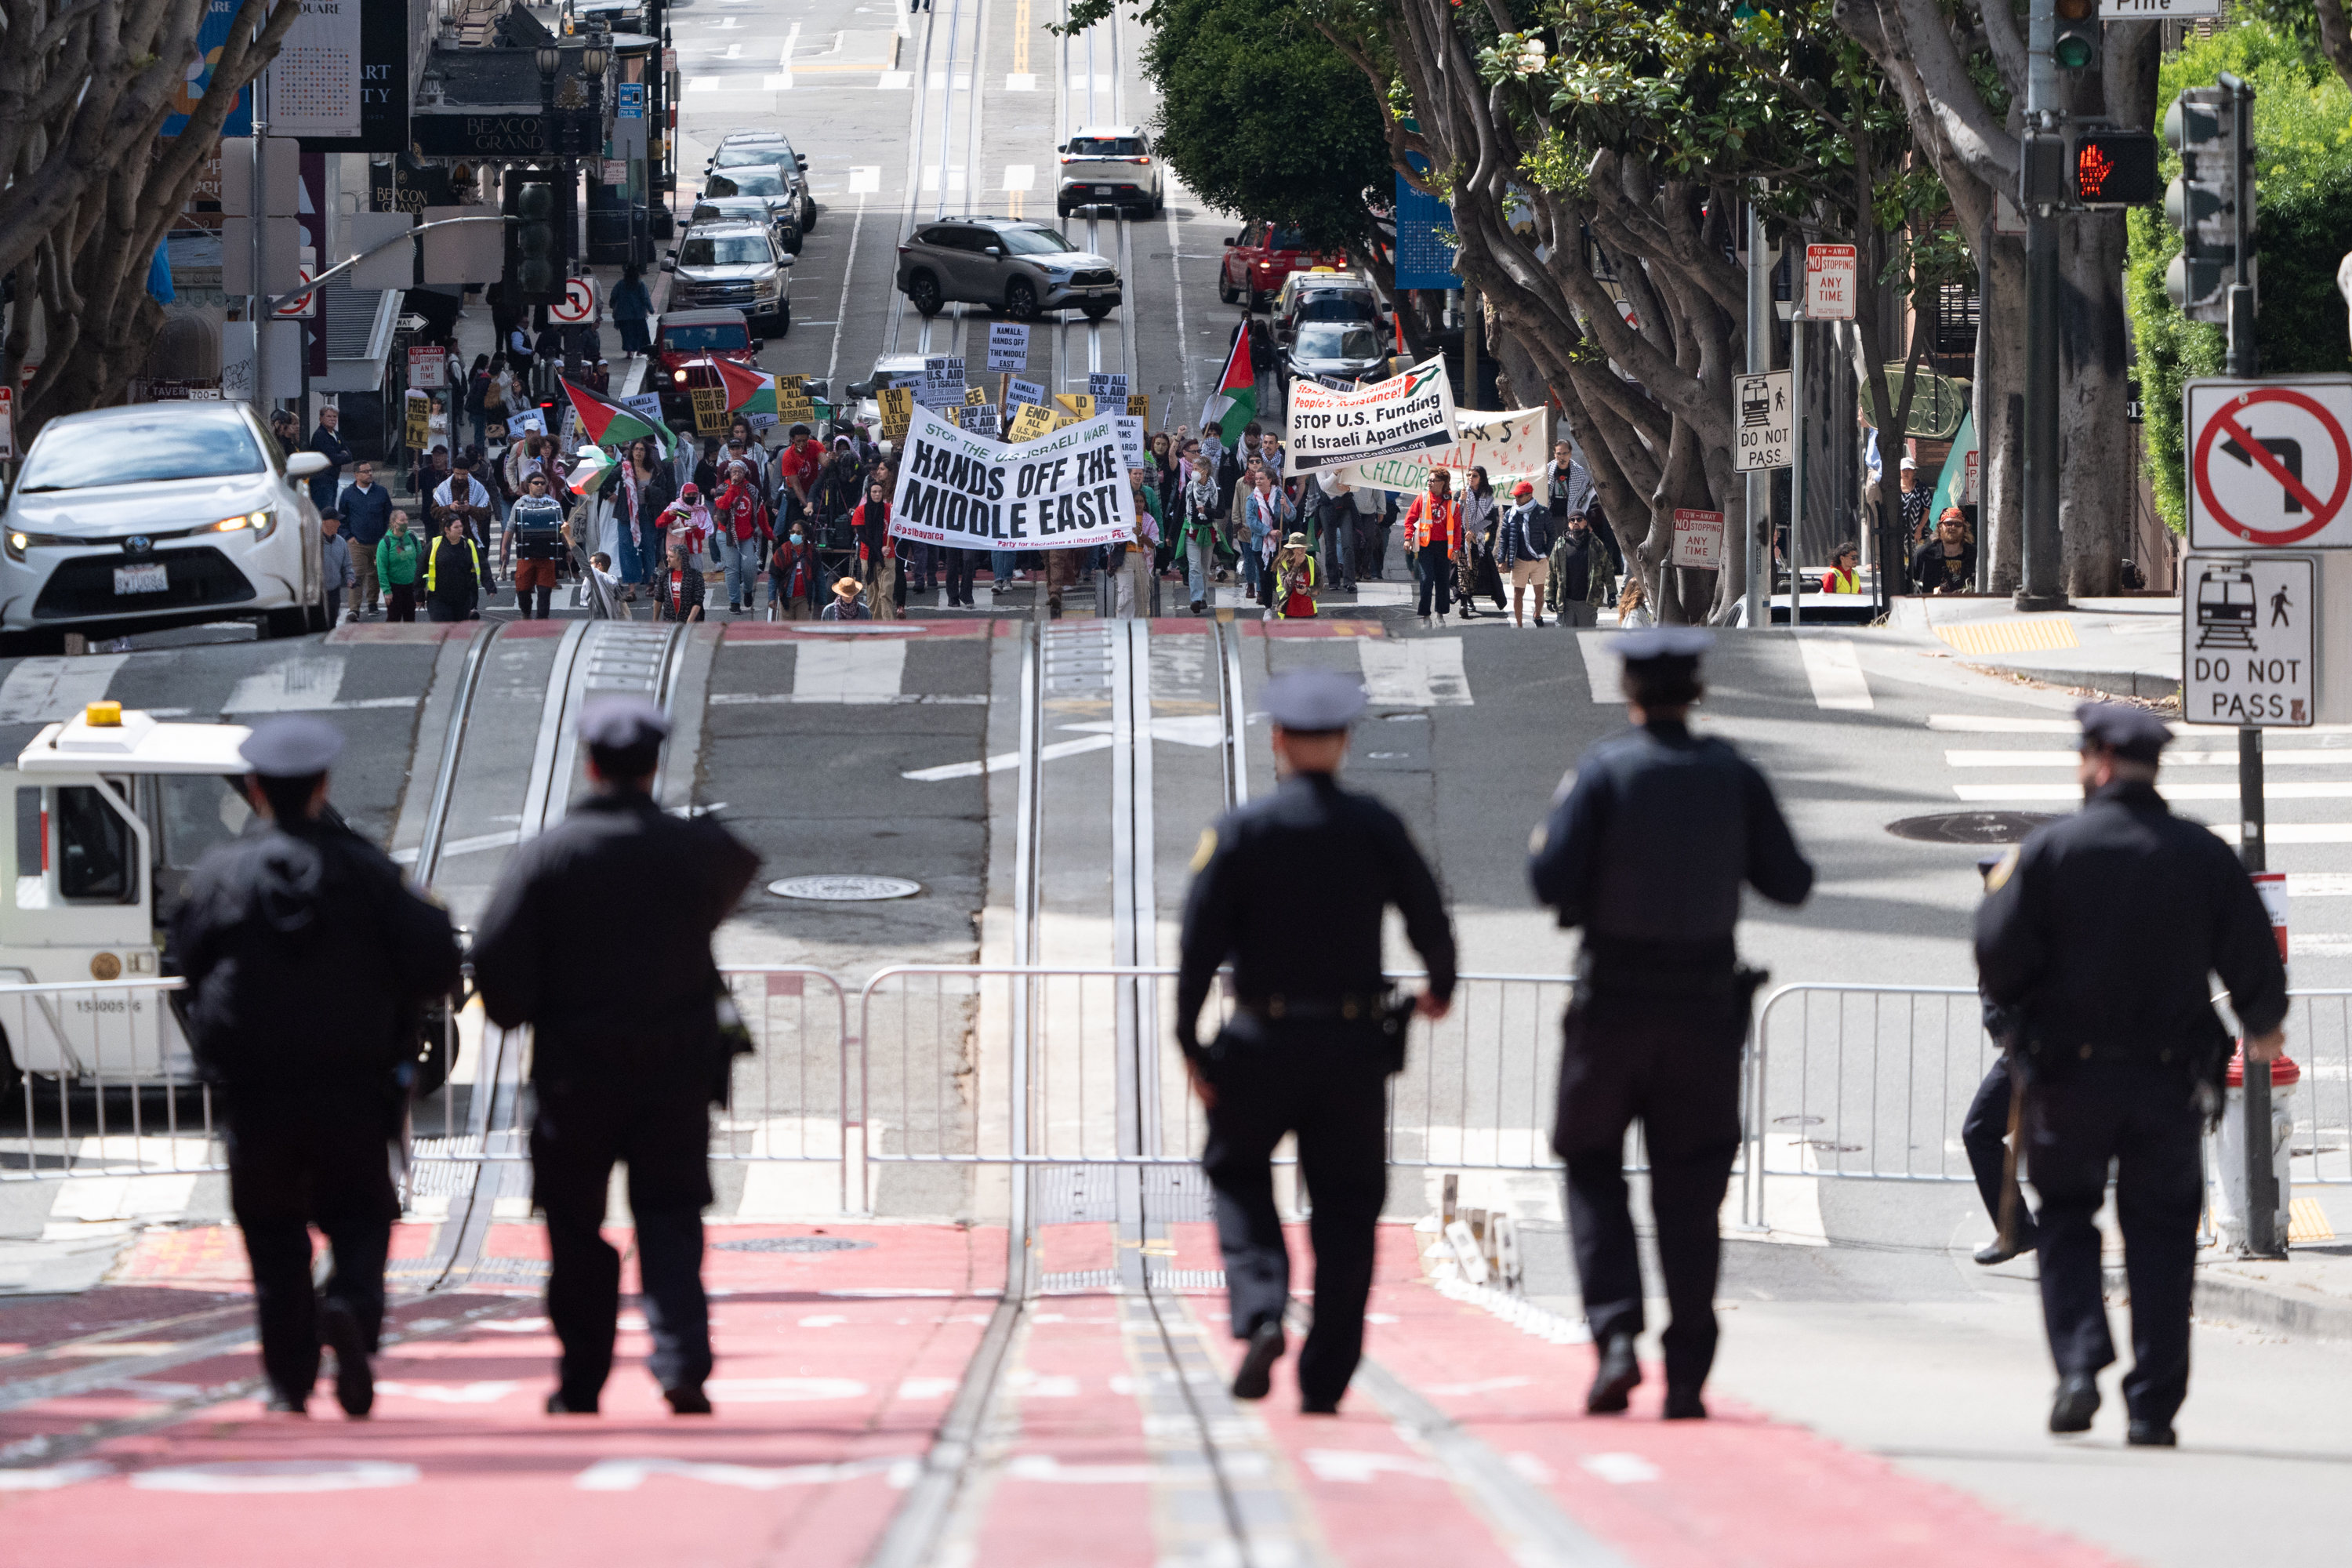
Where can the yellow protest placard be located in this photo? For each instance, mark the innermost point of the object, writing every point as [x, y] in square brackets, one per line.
[898, 408]
[974, 397]
[1029, 422]
[792, 404]
[1077, 404]
[711, 410]
[1139, 406]
[418, 428]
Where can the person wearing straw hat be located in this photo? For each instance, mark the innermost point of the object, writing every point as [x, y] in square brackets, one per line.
[846, 606]
[1294, 582]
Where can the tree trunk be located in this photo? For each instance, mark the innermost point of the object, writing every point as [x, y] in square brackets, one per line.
[2095, 479]
[2000, 404]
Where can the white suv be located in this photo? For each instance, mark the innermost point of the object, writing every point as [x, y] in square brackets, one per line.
[1111, 166]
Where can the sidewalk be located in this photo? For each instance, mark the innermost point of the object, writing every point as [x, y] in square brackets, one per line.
[2127, 647]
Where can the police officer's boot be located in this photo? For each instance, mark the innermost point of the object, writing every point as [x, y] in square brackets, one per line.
[1257, 1374]
[339, 1330]
[1615, 1379]
[2077, 1402]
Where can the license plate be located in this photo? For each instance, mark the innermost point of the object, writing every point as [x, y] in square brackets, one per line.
[1102, 189]
[148, 579]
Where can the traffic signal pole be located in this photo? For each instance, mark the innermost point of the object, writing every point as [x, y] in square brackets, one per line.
[2262, 1239]
[2042, 158]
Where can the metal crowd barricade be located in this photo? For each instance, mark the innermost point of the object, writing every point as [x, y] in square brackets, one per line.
[107, 1087]
[787, 1097]
[1032, 1066]
[1866, 1082]
[2319, 1039]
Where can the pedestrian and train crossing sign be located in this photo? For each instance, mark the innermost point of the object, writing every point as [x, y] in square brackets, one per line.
[2270, 463]
[2250, 653]
[1763, 424]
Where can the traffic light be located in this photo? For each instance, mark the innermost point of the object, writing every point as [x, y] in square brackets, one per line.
[2112, 168]
[535, 255]
[2076, 45]
[2212, 202]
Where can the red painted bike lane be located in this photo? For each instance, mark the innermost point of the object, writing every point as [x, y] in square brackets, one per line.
[1737, 1490]
[834, 1368]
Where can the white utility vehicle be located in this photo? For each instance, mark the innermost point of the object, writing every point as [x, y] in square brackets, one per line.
[113, 810]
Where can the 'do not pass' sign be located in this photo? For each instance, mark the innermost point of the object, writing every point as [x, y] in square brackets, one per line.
[2270, 463]
[2247, 626]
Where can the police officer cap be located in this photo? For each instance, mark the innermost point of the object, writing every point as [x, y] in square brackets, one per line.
[1663, 642]
[623, 724]
[1310, 701]
[291, 746]
[2132, 733]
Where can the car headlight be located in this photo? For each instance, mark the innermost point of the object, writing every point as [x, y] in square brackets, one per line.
[678, 377]
[263, 523]
[18, 543]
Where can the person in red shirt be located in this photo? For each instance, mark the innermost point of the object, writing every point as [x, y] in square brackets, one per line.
[739, 521]
[1432, 537]
[878, 552]
[1842, 577]
[797, 467]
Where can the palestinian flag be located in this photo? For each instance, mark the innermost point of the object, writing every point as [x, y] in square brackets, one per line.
[594, 464]
[749, 391]
[1233, 404]
[608, 424]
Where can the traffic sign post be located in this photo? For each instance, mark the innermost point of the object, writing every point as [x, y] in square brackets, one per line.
[578, 304]
[2269, 462]
[1762, 423]
[2248, 653]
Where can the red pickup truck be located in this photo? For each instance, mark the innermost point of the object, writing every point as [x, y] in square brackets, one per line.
[1261, 256]
[688, 341]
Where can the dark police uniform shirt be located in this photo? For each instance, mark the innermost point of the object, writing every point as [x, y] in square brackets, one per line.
[307, 957]
[2102, 930]
[599, 936]
[1648, 848]
[1292, 887]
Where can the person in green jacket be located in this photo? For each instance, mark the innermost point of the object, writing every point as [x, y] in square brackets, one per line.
[396, 560]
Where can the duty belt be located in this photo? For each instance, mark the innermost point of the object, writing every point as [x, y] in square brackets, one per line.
[1351, 1009]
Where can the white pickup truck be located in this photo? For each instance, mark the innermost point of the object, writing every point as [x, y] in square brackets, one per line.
[114, 809]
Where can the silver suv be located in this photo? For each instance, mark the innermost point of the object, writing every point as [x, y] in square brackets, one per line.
[1021, 266]
[733, 263]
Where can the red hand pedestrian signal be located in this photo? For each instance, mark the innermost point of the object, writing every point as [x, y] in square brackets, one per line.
[2092, 167]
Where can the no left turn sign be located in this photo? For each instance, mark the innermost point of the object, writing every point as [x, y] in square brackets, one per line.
[2270, 463]
[579, 301]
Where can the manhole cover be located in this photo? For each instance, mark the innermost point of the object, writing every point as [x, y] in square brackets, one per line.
[792, 1244]
[1971, 827]
[844, 889]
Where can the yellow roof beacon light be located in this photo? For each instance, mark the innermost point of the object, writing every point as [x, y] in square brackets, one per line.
[105, 715]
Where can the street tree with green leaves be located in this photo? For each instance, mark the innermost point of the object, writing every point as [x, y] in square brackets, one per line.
[1960, 67]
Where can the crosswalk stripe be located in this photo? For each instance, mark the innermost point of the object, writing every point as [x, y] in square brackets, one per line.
[1834, 674]
[2174, 757]
[1416, 672]
[853, 669]
[2172, 792]
[42, 689]
[1602, 667]
[1994, 724]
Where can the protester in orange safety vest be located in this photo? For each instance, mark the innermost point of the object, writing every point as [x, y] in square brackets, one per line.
[1432, 537]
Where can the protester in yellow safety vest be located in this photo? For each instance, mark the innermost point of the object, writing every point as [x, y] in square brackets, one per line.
[1294, 582]
[453, 587]
[1840, 578]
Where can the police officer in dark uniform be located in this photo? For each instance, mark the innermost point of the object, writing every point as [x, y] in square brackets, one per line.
[627, 1066]
[2101, 934]
[307, 961]
[1291, 889]
[1645, 848]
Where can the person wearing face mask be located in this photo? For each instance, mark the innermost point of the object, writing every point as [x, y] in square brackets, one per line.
[796, 577]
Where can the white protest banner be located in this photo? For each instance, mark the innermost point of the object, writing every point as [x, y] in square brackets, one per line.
[1408, 413]
[1132, 451]
[1065, 492]
[1509, 446]
[1008, 347]
[1105, 385]
[1018, 391]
